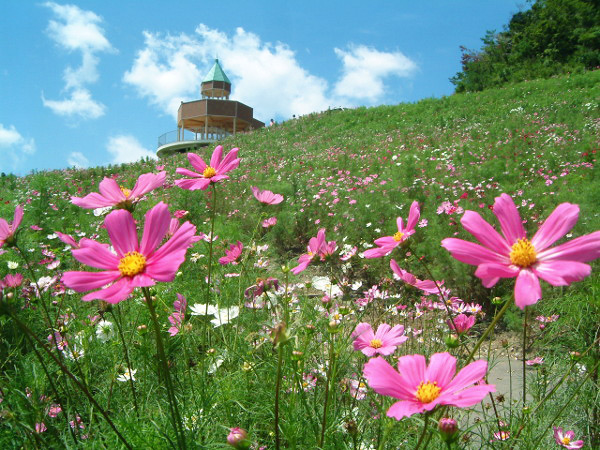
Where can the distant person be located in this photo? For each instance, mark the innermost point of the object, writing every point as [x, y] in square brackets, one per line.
[272, 123]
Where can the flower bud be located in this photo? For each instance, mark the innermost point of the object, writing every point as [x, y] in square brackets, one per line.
[448, 429]
[238, 438]
[452, 341]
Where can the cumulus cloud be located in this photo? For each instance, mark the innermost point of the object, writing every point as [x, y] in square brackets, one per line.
[364, 70]
[126, 149]
[76, 30]
[14, 147]
[268, 77]
[78, 160]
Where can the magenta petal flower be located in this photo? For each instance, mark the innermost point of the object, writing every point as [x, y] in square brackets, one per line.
[208, 174]
[267, 197]
[7, 231]
[384, 341]
[317, 247]
[461, 323]
[111, 194]
[388, 243]
[135, 264]
[232, 255]
[512, 255]
[427, 286]
[421, 388]
[566, 440]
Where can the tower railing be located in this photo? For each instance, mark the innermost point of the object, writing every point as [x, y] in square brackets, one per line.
[207, 134]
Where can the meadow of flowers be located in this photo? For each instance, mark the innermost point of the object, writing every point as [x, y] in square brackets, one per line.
[420, 276]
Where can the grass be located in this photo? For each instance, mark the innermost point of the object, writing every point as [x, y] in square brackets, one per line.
[352, 172]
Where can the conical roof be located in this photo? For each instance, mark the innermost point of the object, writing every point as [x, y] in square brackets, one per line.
[216, 74]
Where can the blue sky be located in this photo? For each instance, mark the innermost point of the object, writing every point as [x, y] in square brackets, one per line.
[89, 83]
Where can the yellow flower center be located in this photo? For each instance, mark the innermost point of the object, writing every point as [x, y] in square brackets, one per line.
[126, 192]
[131, 264]
[376, 343]
[566, 440]
[209, 172]
[428, 392]
[523, 253]
[398, 235]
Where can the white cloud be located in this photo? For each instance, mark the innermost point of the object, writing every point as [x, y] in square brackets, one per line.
[14, 147]
[78, 30]
[80, 104]
[365, 68]
[126, 149]
[268, 77]
[78, 160]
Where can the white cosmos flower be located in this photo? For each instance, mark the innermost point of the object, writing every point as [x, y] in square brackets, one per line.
[324, 284]
[12, 265]
[105, 331]
[127, 375]
[221, 316]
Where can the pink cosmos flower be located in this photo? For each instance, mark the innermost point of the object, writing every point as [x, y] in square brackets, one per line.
[427, 286]
[135, 264]
[512, 255]
[238, 438]
[13, 281]
[317, 247]
[384, 341]
[421, 388]
[232, 255]
[266, 197]
[40, 427]
[67, 239]
[178, 316]
[111, 194]
[270, 222]
[461, 323]
[566, 439]
[212, 173]
[7, 231]
[388, 243]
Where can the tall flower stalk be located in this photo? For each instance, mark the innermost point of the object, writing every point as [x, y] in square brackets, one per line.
[166, 374]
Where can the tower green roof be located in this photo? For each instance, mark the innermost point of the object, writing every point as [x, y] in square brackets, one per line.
[216, 74]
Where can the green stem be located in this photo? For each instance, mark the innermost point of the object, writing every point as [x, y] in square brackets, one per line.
[175, 417]
[487, 331]
[277, 388]
[120, 329]
[424, 432]
[68, 373]
[525, 311]
[210, 257]
[327, 386]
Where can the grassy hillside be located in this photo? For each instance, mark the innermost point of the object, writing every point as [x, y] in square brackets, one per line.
[352, 172]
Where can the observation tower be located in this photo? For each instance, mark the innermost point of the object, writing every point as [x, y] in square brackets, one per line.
[201, 122]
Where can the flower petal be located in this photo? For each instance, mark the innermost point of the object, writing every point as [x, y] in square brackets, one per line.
[509, 218]
[112, 294]
[148, 182]
[402, 409]
[484, 232]
[86, 281]
[467, 397]
[412, 370]
[18, 217]
[197, 162]
[193, 185]
[385, 380]
[583, 249]
[216, 157]
[122, 232]
[93, 200]
[413, 216]
[471, 253]
[442, 367]
[491, 270]
[561, 273]
[111, 190]
[559, 222]
[467, 376]
[156, 225]
[527, 289]
[96, 255]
